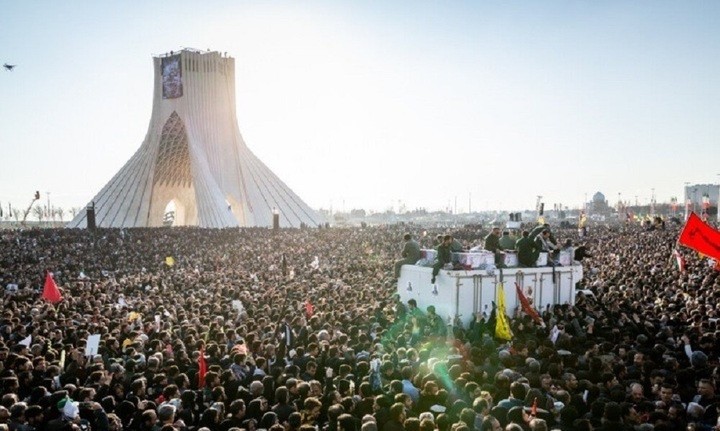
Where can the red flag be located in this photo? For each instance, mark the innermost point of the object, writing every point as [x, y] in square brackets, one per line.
[309, 309]
[202, 368]
[527, 308]
[51, 293]
[700, 237]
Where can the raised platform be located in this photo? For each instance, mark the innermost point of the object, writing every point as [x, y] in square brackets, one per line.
[463, 293]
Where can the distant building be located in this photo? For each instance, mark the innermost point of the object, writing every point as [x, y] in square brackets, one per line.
[700, 196]
[599, 204]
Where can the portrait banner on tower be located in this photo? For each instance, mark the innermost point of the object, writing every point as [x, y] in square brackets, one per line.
[172, 85]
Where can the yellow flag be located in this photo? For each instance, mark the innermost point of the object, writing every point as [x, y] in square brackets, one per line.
[169, 261]
[502, 325]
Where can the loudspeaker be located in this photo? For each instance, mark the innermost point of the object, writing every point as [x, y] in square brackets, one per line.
[276, 221]
[90, 216]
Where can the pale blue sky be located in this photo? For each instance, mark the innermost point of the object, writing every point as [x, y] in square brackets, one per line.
[371, 102]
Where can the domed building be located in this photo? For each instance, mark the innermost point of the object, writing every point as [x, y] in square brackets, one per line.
[599, 204]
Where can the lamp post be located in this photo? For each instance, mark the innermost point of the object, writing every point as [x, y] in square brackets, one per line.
[717, 204]
[652, 203]
[673, 205]
[686, 200]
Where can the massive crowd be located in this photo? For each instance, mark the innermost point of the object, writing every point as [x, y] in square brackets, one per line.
[300, 330]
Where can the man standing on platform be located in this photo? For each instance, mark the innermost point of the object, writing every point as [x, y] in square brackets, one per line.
[492, 240]
[507, 242]
[411, 254]
[456, 246]
[492, 243]
[527, 254]
[543, 242]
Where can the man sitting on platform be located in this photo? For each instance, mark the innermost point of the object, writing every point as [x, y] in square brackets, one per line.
[444, 256]
[411, 254]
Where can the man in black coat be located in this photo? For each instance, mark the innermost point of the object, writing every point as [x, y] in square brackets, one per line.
[527, 254]
[444, 256]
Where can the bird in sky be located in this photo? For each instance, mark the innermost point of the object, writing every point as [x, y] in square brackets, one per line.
[9, 67]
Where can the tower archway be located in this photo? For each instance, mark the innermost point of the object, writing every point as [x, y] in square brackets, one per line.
[172, 180]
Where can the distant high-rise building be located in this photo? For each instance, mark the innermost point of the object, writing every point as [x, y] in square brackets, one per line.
[701, 196]
[193, 168]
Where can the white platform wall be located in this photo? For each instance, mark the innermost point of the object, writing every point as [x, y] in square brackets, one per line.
[463, 293]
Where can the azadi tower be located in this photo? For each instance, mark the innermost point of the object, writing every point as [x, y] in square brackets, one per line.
[194, 156]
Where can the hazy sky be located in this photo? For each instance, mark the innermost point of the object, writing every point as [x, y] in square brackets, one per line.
[365, 103]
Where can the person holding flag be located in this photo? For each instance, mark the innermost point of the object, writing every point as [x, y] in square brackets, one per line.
[51, 293]
[527, 307]
[202, 368]
[502, 323]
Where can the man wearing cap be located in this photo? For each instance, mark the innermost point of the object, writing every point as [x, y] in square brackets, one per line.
[410, 255]
[69, 416]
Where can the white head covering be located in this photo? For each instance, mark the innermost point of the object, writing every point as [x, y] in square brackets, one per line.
[71, 410]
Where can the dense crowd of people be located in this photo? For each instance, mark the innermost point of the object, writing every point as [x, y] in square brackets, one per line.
[301, 330]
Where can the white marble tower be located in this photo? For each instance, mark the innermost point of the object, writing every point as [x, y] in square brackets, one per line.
[194, 156]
